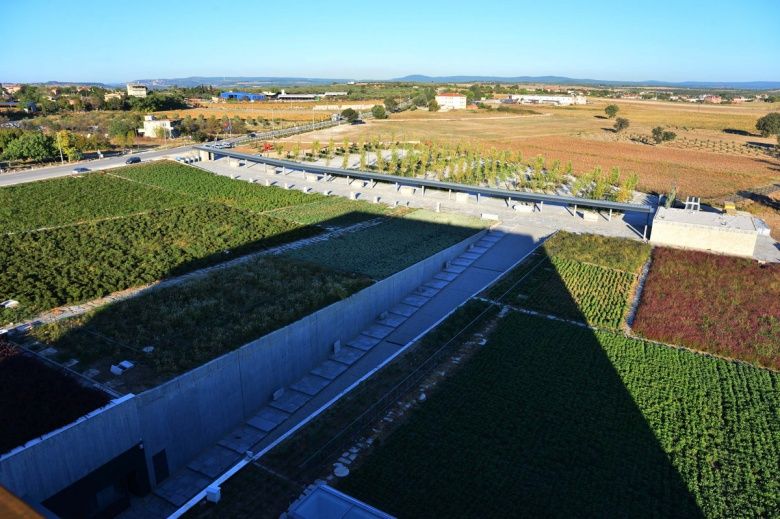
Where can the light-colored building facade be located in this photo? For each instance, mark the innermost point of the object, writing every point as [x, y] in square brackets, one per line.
[451, 101]
[548, 100]
[156, 128]
[134, 90]
[735, 235]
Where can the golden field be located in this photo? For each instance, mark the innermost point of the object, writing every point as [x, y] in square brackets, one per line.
[706, 160]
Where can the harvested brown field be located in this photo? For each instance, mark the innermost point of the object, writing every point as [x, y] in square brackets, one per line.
[709, 175]
[709, 159]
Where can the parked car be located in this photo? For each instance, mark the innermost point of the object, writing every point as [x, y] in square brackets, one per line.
[133, 160]
[80, 170]
[358, 121]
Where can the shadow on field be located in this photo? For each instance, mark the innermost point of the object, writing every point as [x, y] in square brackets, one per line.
[537, 424]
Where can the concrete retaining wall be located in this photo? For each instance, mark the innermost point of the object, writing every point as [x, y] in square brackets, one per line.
[193, 411]
[196, 409]
[710, 239]
[45, 466]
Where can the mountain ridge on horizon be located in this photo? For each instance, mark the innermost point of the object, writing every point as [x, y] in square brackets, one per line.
[256, 81]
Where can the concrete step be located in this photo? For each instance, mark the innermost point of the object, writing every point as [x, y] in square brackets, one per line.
[329, 369]
[268, 419]
[392, 320]
[478, 249]
[445, 276]
[377, 331]
[469, 256]
[242, 438]
[181, 486]
[347, 355]
[462, 262]
[363, 342]
[290, 401]
[455, 269]
[214, 461]
[438, 284]
[404, 309]
[426, 291]
[415, 300]
[310, 384]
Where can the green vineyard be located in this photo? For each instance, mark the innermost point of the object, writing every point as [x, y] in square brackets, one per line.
[553, 419]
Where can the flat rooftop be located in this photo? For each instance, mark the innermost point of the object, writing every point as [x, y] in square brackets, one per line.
[724, 221]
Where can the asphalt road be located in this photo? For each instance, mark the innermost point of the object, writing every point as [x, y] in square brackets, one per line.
[9, 179]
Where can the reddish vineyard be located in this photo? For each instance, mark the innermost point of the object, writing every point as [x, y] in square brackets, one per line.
[37, 398]
[723, 305]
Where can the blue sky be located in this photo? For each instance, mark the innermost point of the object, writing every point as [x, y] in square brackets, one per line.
[116, 41]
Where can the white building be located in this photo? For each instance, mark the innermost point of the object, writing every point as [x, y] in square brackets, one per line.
[134, 90]
[451, 101]
[548, 100]
[152, 127]
[735, 235]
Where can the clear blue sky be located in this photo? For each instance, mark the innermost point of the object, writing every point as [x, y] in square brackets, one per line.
[116, 41]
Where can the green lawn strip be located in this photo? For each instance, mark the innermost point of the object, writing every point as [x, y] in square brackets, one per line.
[615, 253]
[307, 454]
[580, 277]
[383, 250]
[196, 321]
[557, 420]
[69, 200]
[333, 212]
[72, 264]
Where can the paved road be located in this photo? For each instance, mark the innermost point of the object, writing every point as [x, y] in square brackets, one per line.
[9, 179]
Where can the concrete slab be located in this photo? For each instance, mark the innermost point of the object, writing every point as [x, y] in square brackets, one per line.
[445, 276]
[436, 283]
[214, 461]
[363, 342]
[377, 331]
[311, 384]
[329, 369]
[267, 419]
[405, 310]
[347, 355]
[478, 249]
[485, 244]
[242, 439]
[463, 262]
[468, 256]
[455, 269]
[290, 401]
[415, 300]
[426, 291]
[392, 320]
[179, 488]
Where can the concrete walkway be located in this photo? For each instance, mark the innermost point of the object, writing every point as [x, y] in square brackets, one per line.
[466, 276]
[548, 217]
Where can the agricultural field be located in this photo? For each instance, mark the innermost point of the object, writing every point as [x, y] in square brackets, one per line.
[73, 239]
[557, 420]
[718, 304]
[380, 251]
[65, 265]
[585, 278]
[193, 322]
[708, 159]
[38, 398]
[292, 205]
[73, 200]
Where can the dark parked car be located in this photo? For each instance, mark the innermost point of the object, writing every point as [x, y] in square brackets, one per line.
[133, 160]
[358, 121]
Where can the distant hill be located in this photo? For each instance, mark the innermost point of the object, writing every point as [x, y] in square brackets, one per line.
[562, 80]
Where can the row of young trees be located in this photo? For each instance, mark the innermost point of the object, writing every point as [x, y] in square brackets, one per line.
[471, 165]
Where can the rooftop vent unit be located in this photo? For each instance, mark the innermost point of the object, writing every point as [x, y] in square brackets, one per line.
[693, 203]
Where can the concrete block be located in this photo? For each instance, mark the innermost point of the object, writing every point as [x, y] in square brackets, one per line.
[489, 216]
